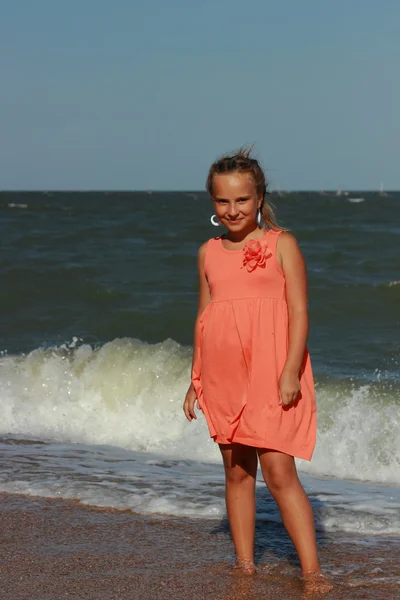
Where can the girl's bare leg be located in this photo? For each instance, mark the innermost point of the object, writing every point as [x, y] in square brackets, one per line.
[280, 475]
[240, 464]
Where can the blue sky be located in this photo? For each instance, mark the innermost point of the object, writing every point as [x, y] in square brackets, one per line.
[145, 95]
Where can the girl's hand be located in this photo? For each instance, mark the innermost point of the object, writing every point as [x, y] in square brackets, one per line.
[289, 387]
[188, 405]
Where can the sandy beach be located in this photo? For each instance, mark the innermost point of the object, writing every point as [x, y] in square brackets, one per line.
[53, 549]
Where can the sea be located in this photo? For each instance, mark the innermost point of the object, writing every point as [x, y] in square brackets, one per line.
[97, 304]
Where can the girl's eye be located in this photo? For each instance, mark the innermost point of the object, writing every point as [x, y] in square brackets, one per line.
[242, 200]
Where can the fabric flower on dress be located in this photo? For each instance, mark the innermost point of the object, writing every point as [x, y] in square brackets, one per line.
[255, 254]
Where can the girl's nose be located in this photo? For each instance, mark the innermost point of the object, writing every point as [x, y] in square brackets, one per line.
[232, 211]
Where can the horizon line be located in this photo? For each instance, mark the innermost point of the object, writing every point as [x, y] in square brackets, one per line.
[149, 191]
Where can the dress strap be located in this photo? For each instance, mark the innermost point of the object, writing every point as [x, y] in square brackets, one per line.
[211, 246]
[272, 237]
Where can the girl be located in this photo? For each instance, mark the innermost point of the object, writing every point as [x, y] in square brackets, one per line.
[251, 372]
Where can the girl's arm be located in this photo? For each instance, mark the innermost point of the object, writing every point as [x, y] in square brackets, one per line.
[292, 263]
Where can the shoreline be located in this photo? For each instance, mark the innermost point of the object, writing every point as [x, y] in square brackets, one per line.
[53, 548]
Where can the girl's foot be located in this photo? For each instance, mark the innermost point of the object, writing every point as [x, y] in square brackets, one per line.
[316, 582]
[244, 566]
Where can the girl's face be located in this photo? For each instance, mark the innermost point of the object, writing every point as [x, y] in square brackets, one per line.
[235, 200]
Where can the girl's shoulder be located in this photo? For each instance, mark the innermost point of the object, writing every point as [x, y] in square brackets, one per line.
[203, 254]
[285, 238]
[278, 233]
[203, 248]
[208, 243]
[287, 248]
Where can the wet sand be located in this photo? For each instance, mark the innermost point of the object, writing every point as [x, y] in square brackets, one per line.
[55, 549]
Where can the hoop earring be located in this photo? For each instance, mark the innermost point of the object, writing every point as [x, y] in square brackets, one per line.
[215, 221]
[259, 218]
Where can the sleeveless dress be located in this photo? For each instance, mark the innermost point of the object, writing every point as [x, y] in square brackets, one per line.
[242, 349]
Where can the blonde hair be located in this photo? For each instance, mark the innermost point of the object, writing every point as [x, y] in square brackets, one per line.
[241, 162]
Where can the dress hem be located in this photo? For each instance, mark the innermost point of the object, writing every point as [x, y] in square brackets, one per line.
[250, 442]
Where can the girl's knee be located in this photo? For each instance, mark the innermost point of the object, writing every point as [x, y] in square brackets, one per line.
[238, 475]
[240, 463]
[278, 478]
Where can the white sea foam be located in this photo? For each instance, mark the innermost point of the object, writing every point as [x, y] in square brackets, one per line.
[358, 434]
[17, 205]
[148, 484]
[129, 394]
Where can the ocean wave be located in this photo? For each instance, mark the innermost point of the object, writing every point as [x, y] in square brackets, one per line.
[129, 394]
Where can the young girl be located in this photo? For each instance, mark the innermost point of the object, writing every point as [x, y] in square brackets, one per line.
[251, 372]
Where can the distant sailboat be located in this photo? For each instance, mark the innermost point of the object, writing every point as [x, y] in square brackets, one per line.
[341, 193]
[382, 193]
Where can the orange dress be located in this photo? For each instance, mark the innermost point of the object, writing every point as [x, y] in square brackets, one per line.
[242, 349]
